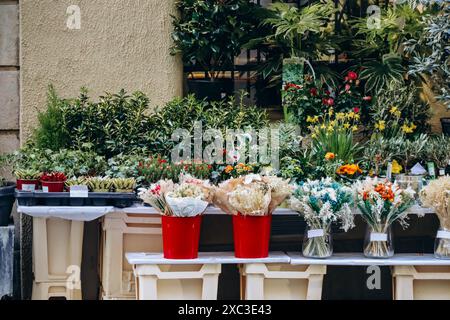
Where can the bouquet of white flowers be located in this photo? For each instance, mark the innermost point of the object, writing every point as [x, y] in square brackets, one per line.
[322, 202]
[252, 194]
[189, 198]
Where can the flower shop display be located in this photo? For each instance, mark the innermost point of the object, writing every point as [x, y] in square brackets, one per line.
[438, 152]
[181, 206]
[381, 203]
[437, 195]
[251, 199]
[27, 179]
[321, 203]
[53, 181]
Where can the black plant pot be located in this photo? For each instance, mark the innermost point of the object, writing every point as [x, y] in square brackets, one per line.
[211, 90]
[445, 122]
[6, 203]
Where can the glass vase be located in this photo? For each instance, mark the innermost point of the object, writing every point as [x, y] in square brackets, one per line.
[317, 242]
[442, 244]
[378, 242]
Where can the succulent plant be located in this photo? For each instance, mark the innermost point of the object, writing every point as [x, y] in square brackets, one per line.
[99, 184]
[74, 181]
[124, 184]
[27, 174]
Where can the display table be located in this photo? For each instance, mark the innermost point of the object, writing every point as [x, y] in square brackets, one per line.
[415, 276]
[141, 209]
[159, 279]
[57, 248]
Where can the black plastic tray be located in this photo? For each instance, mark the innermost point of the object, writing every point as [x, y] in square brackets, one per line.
[39, 198]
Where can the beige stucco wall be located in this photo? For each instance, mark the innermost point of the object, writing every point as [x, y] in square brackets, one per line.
[121, 44]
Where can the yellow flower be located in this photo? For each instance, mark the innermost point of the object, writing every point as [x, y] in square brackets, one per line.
[340, 115]
[313, 135]
[312, 119]
[351, 115]
[346, 125]
[323, 126]
[408, 128]
[330, 128]
[331, 111]
[396, 167]
[357, 116]
[380, 125]
[355, 128]
[395, 111]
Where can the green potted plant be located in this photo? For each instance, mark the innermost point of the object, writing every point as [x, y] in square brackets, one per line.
[210, 35]
[53, 181]
[124, 185]
[27, 179]
[438, 152]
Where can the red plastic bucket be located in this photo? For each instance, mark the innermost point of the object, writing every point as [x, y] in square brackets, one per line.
[251, 236]
[27, 185]
[52, 186]
[181, 236]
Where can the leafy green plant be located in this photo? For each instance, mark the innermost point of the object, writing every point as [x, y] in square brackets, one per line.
[430, 52]
[412, 150]
[379, 151]
[438, 150]
[304, 32]
[210, 34]
[51, 132]
[383, 74]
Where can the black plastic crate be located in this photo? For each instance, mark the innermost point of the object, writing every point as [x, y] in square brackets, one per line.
[39, 198]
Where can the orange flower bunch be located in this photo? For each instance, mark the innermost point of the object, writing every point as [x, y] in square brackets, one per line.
[385, 190]
[240, 168]
[349, 169]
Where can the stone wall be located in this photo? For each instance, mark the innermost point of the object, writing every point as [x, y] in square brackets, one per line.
[9, 76]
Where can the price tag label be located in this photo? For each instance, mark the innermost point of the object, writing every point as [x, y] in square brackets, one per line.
[28, 187]
[45, 189]
[314, 233]
[376, 236]
[79, 192]
[441, 234]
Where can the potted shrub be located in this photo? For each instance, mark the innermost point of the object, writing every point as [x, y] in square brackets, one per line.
[27, 179]
[53, 181]
[438, 151]
[210, 35]
[251, 199]
[322, 202]
[181, 206]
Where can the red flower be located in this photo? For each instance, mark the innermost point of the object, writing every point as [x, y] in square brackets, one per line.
[356, 109]
[352, 75]
[347, 87]
[367, 98]
[313, 91]
[328, 102]
[292, 85]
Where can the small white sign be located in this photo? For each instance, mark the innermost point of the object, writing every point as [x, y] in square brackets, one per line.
[314, 233]
[442, 234]
[377, 236]
[442, 172]
[79, 192]
[28, 187]
[44, 189]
